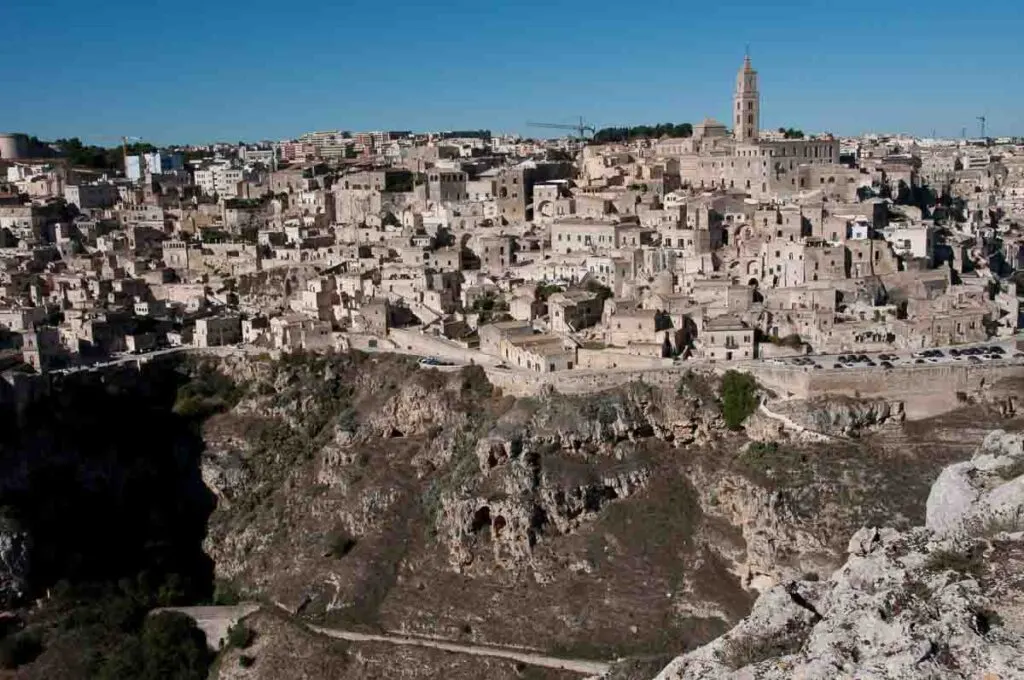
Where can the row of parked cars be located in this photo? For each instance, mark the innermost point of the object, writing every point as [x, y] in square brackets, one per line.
[434, 361]
[852, 360]
[993, 352]
[885, 360]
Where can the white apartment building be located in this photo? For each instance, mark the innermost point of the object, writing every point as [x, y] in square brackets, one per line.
[220, 179]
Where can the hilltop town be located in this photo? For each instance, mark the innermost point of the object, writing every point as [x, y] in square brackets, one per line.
[731, 244]
[465, 405]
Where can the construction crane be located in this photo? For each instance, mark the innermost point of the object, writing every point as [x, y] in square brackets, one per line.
[982, 120]
[125, 140]
[581, 129]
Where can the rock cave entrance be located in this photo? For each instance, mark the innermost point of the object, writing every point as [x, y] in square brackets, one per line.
[481, 519]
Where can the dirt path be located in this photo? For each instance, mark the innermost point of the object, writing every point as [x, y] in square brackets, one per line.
[215, 621]
[530, 658]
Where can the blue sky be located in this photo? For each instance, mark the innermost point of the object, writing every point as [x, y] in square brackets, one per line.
[195, 72]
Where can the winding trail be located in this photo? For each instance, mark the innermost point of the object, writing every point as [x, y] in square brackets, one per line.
[791, 424]
[582, 666]
[215, 622]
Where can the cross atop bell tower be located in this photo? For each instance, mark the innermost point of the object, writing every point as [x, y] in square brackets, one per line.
[746, 114]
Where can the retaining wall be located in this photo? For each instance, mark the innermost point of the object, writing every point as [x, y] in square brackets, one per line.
[925, 389]
[411, 340]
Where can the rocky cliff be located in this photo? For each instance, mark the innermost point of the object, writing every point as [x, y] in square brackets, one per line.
[942, 600]
[365, 491]
[842, 416]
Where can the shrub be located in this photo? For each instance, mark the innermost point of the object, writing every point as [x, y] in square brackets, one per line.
[685, 384]
[739, 398]
[993, 526]
[968, 563]
[225, 593]
[240, 636]
[207, 393]
[1013, 470]
[170, 646]
[739, 652]
[246, 661]
[20, 649]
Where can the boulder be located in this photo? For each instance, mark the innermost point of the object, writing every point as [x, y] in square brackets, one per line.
[936, 601]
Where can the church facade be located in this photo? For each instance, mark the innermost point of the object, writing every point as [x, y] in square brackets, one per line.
[714, 159]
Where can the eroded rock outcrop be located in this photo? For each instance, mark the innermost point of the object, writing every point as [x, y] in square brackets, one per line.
[937, 601]
[778, 542]
[843, 417]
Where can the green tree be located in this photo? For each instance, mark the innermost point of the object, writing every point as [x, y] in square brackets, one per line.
[19, 649]
[739, 398]
[240, 636]
[170, 647]
[545, 290]
[623, 134]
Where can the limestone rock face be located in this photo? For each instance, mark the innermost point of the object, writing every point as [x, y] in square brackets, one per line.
[778, 542]
[522, 499]
[937, 601]
[839, 417]
[984, 492]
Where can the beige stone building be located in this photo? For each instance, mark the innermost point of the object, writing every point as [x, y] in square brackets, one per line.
[726, 338]
[573, 310]
[712, 159]
[544, 353]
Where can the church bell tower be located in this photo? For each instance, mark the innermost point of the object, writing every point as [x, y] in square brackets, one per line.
[746, 113]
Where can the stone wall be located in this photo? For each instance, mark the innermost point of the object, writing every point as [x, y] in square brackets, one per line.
[423, 344]
[579, 381]
[926, 389]
[610, 358]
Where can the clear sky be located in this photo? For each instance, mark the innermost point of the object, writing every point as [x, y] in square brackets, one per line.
[190, 71]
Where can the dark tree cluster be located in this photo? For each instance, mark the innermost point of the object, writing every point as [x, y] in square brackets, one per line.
[115, 516]
[623, 134]
[466, 134]
[98, 157]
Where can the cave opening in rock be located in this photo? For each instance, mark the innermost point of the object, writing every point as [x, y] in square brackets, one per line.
[481, 519]
[499, 524]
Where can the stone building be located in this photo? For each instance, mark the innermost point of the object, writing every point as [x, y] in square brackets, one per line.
[712, 159]
[726, 338]
[215, 331]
